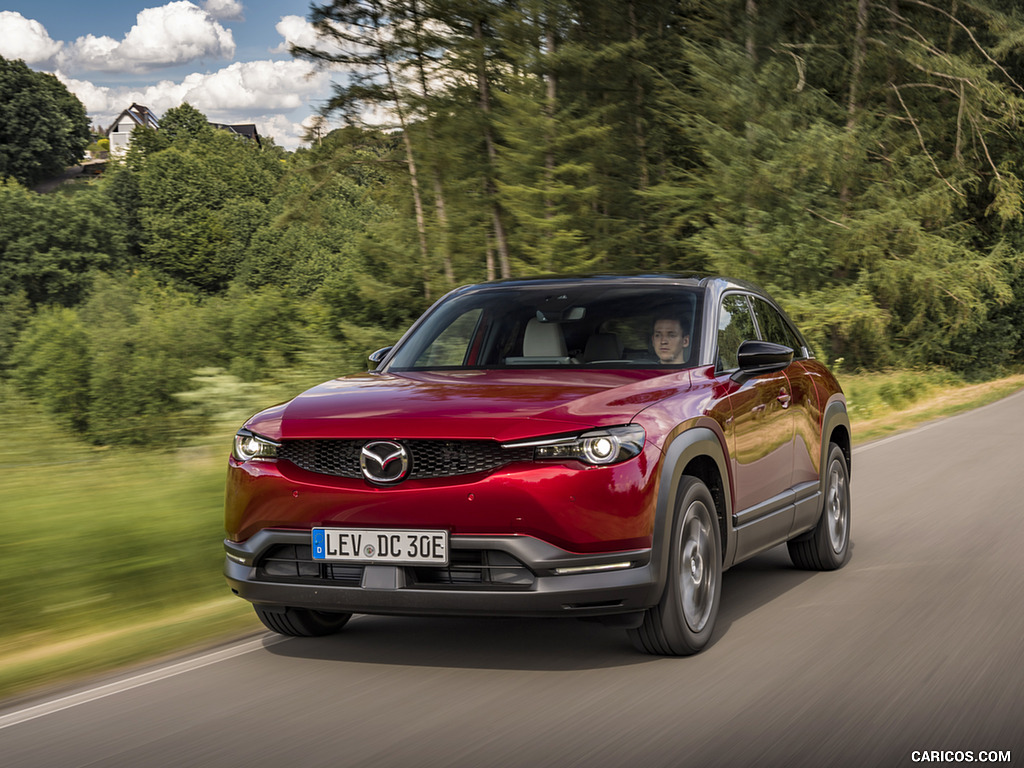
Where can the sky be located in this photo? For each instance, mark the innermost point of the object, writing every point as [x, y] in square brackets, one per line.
[227, 58]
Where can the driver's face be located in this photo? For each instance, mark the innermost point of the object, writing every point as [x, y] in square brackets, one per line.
[669, 341]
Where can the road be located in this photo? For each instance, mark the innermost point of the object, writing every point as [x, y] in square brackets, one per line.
[917, 645]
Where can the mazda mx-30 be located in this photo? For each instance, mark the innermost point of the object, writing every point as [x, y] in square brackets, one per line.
[600, 447]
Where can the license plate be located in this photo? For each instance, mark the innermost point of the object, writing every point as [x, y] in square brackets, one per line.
[359, 545]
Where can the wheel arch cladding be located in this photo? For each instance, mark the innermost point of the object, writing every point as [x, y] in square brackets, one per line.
[836, 429]
[696, 452]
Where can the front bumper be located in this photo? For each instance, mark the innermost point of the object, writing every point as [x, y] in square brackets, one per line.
[547, 581]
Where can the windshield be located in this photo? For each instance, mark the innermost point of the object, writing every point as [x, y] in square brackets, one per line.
[541, 326]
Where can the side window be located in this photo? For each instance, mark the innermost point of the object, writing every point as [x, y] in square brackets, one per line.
[449, 349]
[775, 329]
[735, 325]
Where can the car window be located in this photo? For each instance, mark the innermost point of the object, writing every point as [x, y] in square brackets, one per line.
[735, 325]
[451, 346]
[559, 324]
[774, 328]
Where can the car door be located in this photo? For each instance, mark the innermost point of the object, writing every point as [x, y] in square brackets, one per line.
[760, 433]
[805, 410]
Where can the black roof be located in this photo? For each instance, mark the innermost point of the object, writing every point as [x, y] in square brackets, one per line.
[244, 129]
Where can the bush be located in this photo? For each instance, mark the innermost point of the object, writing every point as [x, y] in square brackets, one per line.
[146, 341]
[52, 363]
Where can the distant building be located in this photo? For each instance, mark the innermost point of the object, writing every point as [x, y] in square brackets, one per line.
[120, 131]
[248, 130]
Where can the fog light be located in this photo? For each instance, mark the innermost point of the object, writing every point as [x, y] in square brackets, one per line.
[592, 568]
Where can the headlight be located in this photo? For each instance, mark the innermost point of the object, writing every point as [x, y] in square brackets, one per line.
[250, 447]
[602, 446]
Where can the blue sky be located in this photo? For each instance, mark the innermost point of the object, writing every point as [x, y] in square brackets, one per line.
[228, 58]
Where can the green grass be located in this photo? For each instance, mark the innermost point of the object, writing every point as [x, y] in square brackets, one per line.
[111, 557]
[121, 535]
[881, 404]
[97, 541]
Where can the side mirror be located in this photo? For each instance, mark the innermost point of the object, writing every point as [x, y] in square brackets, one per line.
[757, 357]
[378, 356]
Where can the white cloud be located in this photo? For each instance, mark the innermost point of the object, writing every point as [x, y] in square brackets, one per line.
[296, 31]
[286, 133]
[172, 34]
[91, 52]
[275, 86]
[100, 102]
[228, 10]
[26, 39]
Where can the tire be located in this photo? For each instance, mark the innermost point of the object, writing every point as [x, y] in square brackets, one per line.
[301, 622]
[682, 622]
[827, 546]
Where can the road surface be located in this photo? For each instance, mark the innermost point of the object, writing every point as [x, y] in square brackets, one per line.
[912, 653]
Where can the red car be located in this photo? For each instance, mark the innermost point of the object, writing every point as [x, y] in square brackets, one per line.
[598, 447]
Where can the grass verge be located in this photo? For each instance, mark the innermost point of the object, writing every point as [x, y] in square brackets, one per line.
[113, 557]
[34, 660]
[882, 404]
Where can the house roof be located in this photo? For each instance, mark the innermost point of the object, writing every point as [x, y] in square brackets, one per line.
[248, 130]
[139, 114]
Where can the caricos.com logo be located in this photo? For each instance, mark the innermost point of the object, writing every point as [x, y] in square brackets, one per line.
[959, 756]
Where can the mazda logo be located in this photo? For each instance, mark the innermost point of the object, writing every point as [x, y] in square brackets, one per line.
[384, 462]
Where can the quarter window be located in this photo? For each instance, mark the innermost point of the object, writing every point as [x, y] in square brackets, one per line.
[774, 328]
[735, 325]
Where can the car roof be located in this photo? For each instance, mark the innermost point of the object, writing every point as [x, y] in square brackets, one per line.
[713, 285]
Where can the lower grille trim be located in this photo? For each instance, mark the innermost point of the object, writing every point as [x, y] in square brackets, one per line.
[467, 569]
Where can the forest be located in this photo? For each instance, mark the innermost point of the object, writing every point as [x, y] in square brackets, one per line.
[862, 160]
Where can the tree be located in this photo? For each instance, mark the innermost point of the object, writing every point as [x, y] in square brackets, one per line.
[200, 204]
[545, 186]
[324, 205]
[43, 127]
[52, 245]
[862, 166]
[184, 122]
[362, 35]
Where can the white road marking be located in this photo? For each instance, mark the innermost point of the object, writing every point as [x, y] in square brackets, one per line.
[120, 686]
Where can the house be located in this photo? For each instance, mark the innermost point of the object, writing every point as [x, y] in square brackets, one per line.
[120, 132]
[248, 130]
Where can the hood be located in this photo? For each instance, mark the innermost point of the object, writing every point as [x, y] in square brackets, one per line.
[500, 404]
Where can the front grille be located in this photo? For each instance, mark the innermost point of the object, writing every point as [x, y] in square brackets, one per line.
[326, 457]
[427, 458]
[466, 568]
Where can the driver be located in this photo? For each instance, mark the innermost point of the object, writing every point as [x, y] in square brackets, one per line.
[670, 341]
